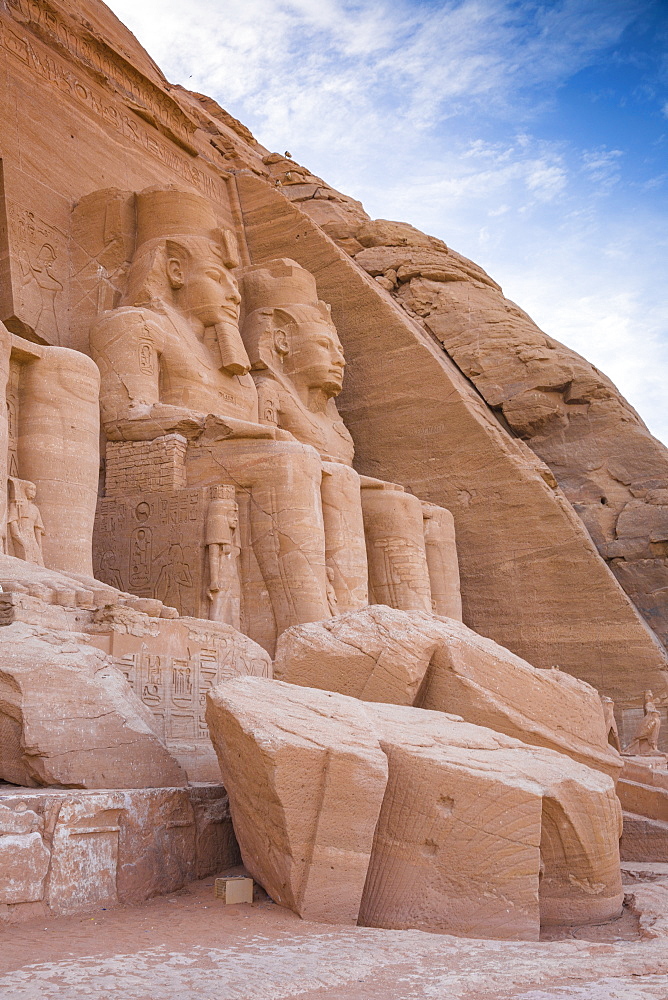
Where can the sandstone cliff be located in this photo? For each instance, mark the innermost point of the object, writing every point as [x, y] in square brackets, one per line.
[613, 471]
[450, 390]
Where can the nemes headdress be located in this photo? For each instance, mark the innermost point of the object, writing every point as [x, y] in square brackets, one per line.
[167, 213]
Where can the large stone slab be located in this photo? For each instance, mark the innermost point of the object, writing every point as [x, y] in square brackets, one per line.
[68, 717]
[410, 657]
[377, 654]
[306, 778]
[467, 816]
[475, 833]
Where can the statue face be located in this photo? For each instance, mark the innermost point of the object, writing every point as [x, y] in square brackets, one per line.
[315, 358]
[208, 291]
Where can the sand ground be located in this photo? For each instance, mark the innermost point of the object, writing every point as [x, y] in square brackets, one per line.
[191, 946]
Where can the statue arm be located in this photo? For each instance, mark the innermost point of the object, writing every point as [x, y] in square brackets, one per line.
[126, 345]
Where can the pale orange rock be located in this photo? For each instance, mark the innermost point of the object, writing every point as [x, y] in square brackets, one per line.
[306, 779]
[66, 851]
[24, 859]
[531, 577]
[165, 272]
[381, 654]
[69, 718]
[378, 654]
[469, 817]
[575, 419]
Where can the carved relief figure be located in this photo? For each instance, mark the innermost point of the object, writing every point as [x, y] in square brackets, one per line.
[222, 519]
[611, 723]
[174, 577]
[182, 302]
[24, 521]
[646, 740]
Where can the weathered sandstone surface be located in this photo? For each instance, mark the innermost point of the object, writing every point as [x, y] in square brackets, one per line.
[412, 658]
[68, 717]
[531, 578]
[402, 817]
[69, 851]
[178, 309]
[613, 471]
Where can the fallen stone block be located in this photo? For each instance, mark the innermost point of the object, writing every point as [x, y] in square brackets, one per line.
[306, 778]
[482, 836]
[69, 718]
[376, 654]
[412, 657]
[457, 828]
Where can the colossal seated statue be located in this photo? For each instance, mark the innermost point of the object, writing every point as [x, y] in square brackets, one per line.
[182, 411]
[174, 370]
[409, 558]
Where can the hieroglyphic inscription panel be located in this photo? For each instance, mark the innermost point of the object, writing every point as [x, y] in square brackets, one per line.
[152, 545]
[173, 671]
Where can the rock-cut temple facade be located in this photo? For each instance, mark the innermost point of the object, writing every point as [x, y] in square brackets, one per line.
[315, 552]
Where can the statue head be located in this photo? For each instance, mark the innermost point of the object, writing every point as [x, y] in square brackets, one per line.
[288, 330]
[183, 260]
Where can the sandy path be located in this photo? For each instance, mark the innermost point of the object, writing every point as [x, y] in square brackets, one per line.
[190, 946]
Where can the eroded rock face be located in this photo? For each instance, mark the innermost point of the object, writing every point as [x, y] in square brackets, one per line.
[66, 851]
[610, 467]
[411, 818]
[69, 718]
[412, 658]
[455, 845]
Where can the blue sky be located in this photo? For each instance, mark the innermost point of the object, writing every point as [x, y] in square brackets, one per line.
[530, 135]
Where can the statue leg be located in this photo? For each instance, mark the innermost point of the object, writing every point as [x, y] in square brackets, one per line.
[345, 550]
[287, 533]
[58, 450]
[439, 539]
[393, 524]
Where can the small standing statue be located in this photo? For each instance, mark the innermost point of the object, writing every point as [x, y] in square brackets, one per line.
[24, 521]
[611, 723]
[646, 740]
[332, 599]
[222, 518]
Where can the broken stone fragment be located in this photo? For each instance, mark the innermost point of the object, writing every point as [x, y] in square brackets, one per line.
[414, 658]
[399, 817]
[69, 718]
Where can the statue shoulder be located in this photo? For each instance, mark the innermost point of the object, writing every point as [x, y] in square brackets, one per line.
[128, 323]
